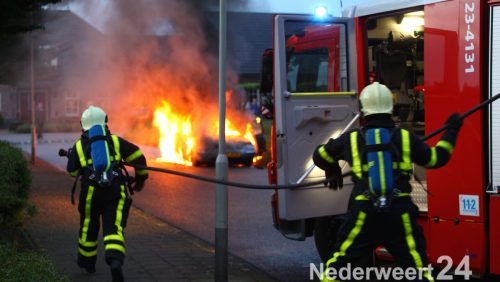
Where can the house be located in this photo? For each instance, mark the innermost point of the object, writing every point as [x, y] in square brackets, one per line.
[69, 73]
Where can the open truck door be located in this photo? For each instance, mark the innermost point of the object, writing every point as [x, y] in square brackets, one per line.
[315, 98]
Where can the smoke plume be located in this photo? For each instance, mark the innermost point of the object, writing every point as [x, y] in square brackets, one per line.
[140, 53]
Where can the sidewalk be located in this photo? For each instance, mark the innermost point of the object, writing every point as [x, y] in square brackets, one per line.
[156, 251]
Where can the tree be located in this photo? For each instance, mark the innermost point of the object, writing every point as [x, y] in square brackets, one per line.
[16, 18]
[15, 15]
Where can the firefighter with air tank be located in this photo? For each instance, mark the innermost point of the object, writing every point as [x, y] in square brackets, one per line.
[381, 157]
[97, 157]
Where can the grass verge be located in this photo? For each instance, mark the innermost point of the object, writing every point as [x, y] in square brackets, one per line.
[25, 265]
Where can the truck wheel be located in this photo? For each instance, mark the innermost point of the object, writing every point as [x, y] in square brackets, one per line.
[325, 235]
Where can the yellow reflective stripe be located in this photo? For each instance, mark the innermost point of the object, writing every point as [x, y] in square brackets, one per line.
[433, 159]
[361, 198]
[350, 238]
[410, 240]
[403, 195]
[87, 254]
[116, 143]
[365, 167]
[381, 169]
[74, 173]
[134, 156]
[87, 243]
[356, 161]
[81, 154]
[115, 247]
[88, 205]
[119, 212]
[445, 145]
[114, 237]
[404, 166]
[324, 154]
[141, 171]
[428, 275]
[405, 142]
[326, 277]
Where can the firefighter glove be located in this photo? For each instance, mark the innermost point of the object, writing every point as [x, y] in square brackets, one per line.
[334, 179]
[138, 185]
[454, 121]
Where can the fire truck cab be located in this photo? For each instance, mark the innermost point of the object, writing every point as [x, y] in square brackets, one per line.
[437, 57]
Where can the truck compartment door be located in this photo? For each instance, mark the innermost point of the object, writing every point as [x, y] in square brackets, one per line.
[315, 98]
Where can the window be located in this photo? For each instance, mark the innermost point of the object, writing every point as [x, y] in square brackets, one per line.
[71, 104]
[308, 71]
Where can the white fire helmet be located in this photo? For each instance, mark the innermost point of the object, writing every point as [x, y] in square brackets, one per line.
[93, 116]
[376, 98]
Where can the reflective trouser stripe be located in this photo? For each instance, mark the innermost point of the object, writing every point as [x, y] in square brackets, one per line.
[88, 213]
[119, 212]
[87, 243]
[87, 248]
[87, 254]
[116, 247]
[412, 247]
[114, 237]
[117, 241]
[360, 221]
[326, 279]
[141, 172]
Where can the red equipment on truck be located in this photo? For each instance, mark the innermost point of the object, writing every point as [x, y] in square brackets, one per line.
[444, 47]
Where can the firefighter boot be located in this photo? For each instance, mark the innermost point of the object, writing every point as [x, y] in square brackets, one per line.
[116, 271]
[89, 267]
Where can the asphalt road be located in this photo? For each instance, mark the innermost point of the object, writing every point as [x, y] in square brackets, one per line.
[189, 205]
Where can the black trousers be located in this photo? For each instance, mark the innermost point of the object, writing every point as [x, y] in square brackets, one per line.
[395, 229]
[112, 205]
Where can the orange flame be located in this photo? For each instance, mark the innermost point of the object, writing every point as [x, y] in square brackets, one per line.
[177, 141]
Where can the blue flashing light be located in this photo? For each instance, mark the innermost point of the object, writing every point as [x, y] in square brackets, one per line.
[320, 12]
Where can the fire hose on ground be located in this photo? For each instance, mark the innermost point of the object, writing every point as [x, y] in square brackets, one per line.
[300, 185]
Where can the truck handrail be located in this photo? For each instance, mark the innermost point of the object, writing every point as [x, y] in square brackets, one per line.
[310, 169]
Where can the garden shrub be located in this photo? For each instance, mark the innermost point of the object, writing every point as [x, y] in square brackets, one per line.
[15, 181]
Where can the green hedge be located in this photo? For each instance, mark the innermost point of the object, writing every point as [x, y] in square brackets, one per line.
[15, 180]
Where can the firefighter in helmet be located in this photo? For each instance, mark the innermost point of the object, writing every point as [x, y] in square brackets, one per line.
[381, 157]
[103, 194]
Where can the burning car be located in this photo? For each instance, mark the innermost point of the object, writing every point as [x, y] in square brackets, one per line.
[238, 151]
[193, 139]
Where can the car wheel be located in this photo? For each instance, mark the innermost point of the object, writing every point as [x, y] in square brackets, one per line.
[248, 162]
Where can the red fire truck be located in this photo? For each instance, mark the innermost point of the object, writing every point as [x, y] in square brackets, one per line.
[437, 57]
